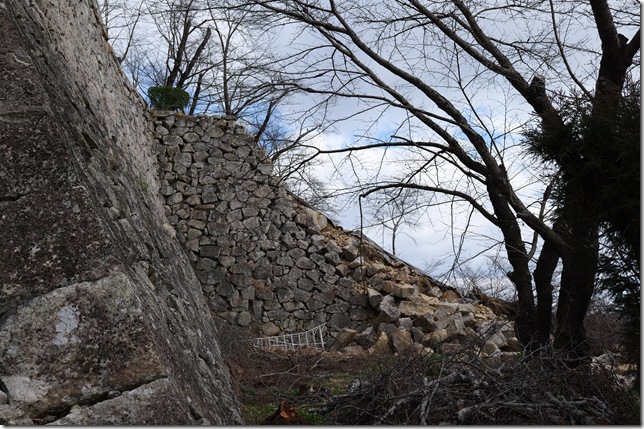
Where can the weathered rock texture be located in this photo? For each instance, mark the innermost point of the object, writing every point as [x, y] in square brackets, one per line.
[269, 262]
[102, 320]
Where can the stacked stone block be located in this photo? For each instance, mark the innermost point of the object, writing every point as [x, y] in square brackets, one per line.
[269, 262]
[260, 261]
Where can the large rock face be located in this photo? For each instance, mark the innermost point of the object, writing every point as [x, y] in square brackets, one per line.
[102, 320]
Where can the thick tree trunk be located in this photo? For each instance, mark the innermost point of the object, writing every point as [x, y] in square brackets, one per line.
[577, 287]
[543, 273]
[178, 57]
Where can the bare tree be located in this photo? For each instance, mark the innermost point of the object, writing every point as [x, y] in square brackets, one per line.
[224, 58]
[214, 53]
[441, 71]
[243, 81]
[287, 149]
[121, 19]
[395, 209]
[248, 84]
[186, 33]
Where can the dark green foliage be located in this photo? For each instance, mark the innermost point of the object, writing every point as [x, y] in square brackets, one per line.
[619, 272]
[619, 266]
[168, 98]
[598, 151]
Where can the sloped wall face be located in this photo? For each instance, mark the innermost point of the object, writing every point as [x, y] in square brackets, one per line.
[102, 320]
[261, 262]
[269, 262]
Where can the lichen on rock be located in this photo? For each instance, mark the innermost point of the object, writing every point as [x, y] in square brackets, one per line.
[97, 299]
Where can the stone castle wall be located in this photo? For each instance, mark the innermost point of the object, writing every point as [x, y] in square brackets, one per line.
[261, 259]
[269, 262]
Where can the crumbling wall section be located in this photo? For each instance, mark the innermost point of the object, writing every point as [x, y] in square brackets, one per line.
[269, 262]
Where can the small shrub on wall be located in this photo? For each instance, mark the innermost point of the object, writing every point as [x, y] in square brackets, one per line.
[168, 98]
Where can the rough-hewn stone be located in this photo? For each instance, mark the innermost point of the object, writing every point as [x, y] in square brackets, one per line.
[343, 338]
[96, 295]
[399, 290]
[401, 340]
[309, 270]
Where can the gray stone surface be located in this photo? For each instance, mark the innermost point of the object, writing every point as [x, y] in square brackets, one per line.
[96, 294]
[133, 407]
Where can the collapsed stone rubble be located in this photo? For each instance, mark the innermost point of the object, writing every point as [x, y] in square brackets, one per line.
[269, 262]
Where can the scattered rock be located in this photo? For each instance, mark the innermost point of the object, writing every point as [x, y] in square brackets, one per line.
[399, 290]
[401, 340]
[381, 346]
[374, 298]
[450, 296]
[366, 338]
[415, 307]
[425, 323]
[389, 313]
[434, 339]
[343, 338]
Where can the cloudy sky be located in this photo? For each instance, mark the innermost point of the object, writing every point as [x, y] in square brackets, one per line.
[490, 104]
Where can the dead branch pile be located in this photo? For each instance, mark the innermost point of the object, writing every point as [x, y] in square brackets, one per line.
[458, 387]
[467, 389]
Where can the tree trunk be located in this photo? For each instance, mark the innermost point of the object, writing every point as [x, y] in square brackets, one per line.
[525, 322]
[577, 287]
[180, 52]
[546, 265]
[196, 94]
[543, 273]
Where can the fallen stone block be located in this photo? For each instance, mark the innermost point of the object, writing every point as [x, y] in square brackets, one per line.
[455, 327]
[434, 339]
[425, 323]
[353, 349]
[387, 328]
[343, 339]
[389, 313]
[405, 323]
[399, 290]
[415, 307]
[416, 334]
[374, 298]
[366, 338]
[450, 296]
[381, 346]
[401, 340]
